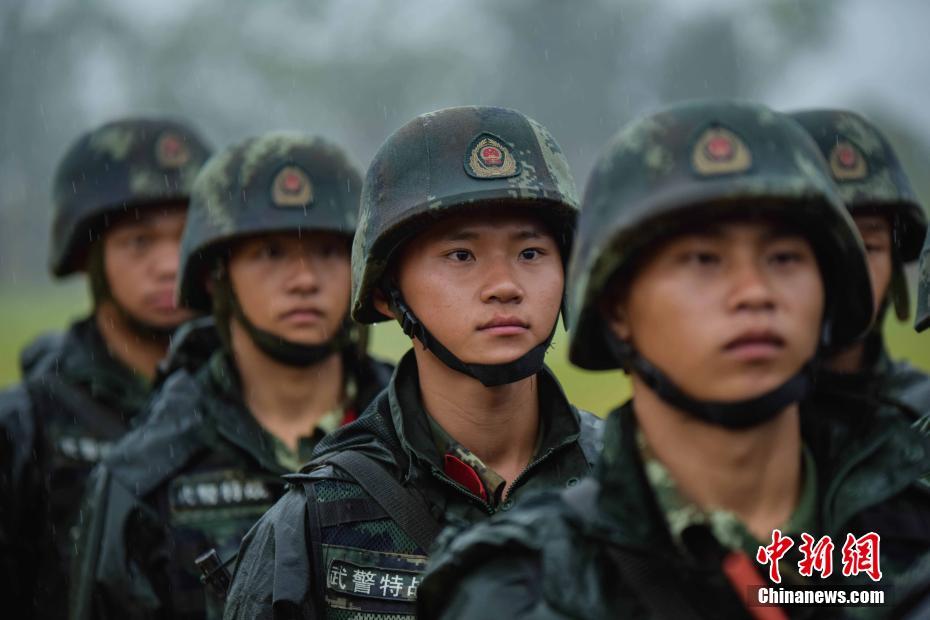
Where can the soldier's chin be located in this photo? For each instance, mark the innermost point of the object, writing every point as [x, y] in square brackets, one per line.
[167, 319]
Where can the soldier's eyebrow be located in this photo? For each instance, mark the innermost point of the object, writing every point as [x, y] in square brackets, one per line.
[462, 234]
[527, 233]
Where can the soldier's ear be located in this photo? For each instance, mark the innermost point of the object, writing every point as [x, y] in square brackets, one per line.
[380, 302]
[612, 307]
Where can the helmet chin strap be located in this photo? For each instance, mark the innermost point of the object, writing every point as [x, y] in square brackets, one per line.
[490, 375]
[733, 415]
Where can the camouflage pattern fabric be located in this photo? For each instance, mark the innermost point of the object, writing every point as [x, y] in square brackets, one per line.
[75, 402]
[326, 524]
[672, 169]
[195, 476]
[120, 166]
[449, 160]
[550, 559]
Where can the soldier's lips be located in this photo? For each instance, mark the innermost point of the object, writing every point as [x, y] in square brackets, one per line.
[504, 326]
[303, 316]
[759, 344]
[162, 301]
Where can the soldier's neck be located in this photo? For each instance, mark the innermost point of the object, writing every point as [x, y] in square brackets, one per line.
[139, 353]
[499, 425]
[288, 401]
[754, 473]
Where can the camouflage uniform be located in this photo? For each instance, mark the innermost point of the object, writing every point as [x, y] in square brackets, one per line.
[76, 398]
[871, 181]
[201, 470]
[329, 548]
[626, 543]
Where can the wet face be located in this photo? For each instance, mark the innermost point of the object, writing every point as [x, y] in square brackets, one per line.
[293, 286]
[141, 264]
[727, 312]
[876, 236]
[487, 286]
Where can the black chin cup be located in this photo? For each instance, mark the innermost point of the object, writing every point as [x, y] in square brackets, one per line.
[733, 415]
[490, 375]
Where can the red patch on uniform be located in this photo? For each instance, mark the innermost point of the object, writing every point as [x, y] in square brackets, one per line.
[350, 415]
[719, 148]
[847, 156]
[492, 156]
[459, 471]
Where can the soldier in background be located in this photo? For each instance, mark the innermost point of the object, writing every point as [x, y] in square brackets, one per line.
[892, 224]
[266, 248]
[120, 197]
[715, 263]
[467, 218]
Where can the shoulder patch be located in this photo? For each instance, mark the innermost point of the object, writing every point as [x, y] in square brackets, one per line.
[218, 489]
[488, 157]
[847, 162]
[291, 188]
[719, 151]
[170, 151]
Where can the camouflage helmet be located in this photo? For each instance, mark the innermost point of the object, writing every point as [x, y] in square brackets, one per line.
[706, 160]
[446, 161]
[274, 183]
[867, 172]
[871, 181]
[125, 163]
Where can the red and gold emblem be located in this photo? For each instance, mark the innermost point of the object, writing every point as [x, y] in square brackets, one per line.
[720, 151]
[847, 163]
[171, 151]
[291, 188]
[489, 158]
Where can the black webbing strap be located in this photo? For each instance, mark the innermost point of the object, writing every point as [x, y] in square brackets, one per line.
[407, 510]
[57, 394]
[349, 510]
[648, 579]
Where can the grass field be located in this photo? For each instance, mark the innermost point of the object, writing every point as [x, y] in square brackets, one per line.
[27, 311]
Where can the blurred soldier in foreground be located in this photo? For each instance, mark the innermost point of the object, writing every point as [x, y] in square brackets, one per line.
[714, 262]
[266, 247]
[120, 196]
[892, 224]
[467, 218]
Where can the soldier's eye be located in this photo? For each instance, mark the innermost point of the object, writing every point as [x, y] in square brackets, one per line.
[460, 255]
[700, 257]
[531, 253]
[787, 257]
[270, 251]
[140, 242]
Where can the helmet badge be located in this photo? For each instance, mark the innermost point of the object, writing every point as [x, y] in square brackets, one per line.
[291, 188]
[171, 151]
[847, 163]
[720, 151]
[489, 158]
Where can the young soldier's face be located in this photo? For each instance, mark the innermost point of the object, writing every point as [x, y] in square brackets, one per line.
[728, 312]
[876, 235]
[141, 264]
[294, 286]
[488, 286]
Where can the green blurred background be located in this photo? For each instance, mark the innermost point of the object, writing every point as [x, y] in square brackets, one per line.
[33, 310]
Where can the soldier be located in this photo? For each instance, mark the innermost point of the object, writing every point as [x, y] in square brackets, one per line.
[714, 261]
[266, 248]
[892, 224]
[120, 196]
[467, 217]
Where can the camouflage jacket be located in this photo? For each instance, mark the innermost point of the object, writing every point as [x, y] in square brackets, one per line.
[884, 382]
[613, 555]
[195, 476]
[327, 551]
[74, 402]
